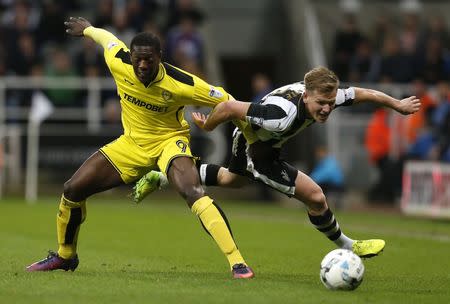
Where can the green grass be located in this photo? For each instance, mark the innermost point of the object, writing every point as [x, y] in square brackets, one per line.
[157, 252]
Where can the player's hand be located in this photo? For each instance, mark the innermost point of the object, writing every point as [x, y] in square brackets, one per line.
[76, 25]
[199, 119]
[409, 105]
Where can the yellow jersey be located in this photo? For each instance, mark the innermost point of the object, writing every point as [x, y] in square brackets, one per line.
[155, 112]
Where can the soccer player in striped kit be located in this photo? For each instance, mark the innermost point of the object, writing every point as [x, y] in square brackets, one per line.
[262, 129]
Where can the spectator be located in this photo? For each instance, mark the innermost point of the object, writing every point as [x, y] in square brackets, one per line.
[382, 27]
[364, 64]
[433, 64]
[443, 105]
[104, 16]
[328, 174]
[261, 86]
[49, 28]
[21, 61]
[378, 144]
[409, 34]
[184, 42]
[179, 8]
[345, 41]
[89, 60]
[415, 123]
[395, 65]
[61, 66]
[21, 15]
[139, 12]
[121, 27]
[424, 147]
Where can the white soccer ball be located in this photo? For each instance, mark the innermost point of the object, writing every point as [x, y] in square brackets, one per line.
[341, 269]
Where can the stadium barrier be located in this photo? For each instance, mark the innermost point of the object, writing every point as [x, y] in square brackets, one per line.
[343, 133]
[426, 189]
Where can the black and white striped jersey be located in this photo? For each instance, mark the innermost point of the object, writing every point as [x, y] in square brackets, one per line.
[281, 114]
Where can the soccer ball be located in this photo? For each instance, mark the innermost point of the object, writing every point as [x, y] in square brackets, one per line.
[341, 269]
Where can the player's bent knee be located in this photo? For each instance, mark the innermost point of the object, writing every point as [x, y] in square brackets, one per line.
[72, 192]
[317, 200]
[192, 194]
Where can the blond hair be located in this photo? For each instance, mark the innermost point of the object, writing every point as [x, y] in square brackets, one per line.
[321, 79]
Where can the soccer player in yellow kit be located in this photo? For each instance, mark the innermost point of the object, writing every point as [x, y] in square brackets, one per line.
[152, 96]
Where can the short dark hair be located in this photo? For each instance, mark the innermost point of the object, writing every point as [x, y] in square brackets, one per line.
[146, 39]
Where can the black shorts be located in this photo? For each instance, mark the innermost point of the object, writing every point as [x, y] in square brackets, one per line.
[261, 162]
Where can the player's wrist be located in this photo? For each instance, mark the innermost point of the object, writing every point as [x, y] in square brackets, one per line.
[86, 30]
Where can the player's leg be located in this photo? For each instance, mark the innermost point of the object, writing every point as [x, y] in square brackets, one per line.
[235, 176]
[96, 174]
[320, 215]
[215, 175]
[184, 177]
[210, 174]
[182, 173]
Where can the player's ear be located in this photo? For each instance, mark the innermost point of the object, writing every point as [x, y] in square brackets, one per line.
[305, 97]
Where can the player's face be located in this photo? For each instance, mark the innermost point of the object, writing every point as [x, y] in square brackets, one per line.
[145, 61]
[319, 106]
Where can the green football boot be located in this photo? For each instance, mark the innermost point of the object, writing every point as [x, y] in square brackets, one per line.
[147, 184]
[368, 248]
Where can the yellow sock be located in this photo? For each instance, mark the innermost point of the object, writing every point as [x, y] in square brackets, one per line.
[217, 228]
[68, 221]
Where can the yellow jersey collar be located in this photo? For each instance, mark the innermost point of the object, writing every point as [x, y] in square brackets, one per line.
[160, 75]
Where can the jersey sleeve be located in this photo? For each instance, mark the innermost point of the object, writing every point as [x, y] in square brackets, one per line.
[275, 114]
[110, 43]
[208, 95]
[345, 97]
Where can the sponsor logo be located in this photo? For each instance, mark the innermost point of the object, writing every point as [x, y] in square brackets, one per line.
[285, 176]
[144, 104]
[112, 44]
[213, 92]
[127, 81]
[166, 95]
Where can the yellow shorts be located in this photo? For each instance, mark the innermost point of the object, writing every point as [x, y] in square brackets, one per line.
[132, 161]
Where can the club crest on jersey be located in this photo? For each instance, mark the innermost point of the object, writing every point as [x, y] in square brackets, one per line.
[166, 95]
[213, 92]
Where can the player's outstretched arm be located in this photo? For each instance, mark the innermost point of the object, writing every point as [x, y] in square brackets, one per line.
[78, 26]
[223, 112]
[406, 106]
[75, 26]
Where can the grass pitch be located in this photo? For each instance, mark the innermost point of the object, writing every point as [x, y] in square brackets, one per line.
[157, 252]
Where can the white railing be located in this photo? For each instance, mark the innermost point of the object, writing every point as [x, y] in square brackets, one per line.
[343, 133]
[92, 112]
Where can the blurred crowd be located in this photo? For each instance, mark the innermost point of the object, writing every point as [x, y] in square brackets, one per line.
[406, 50]
[33, 41]
[394, 50]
